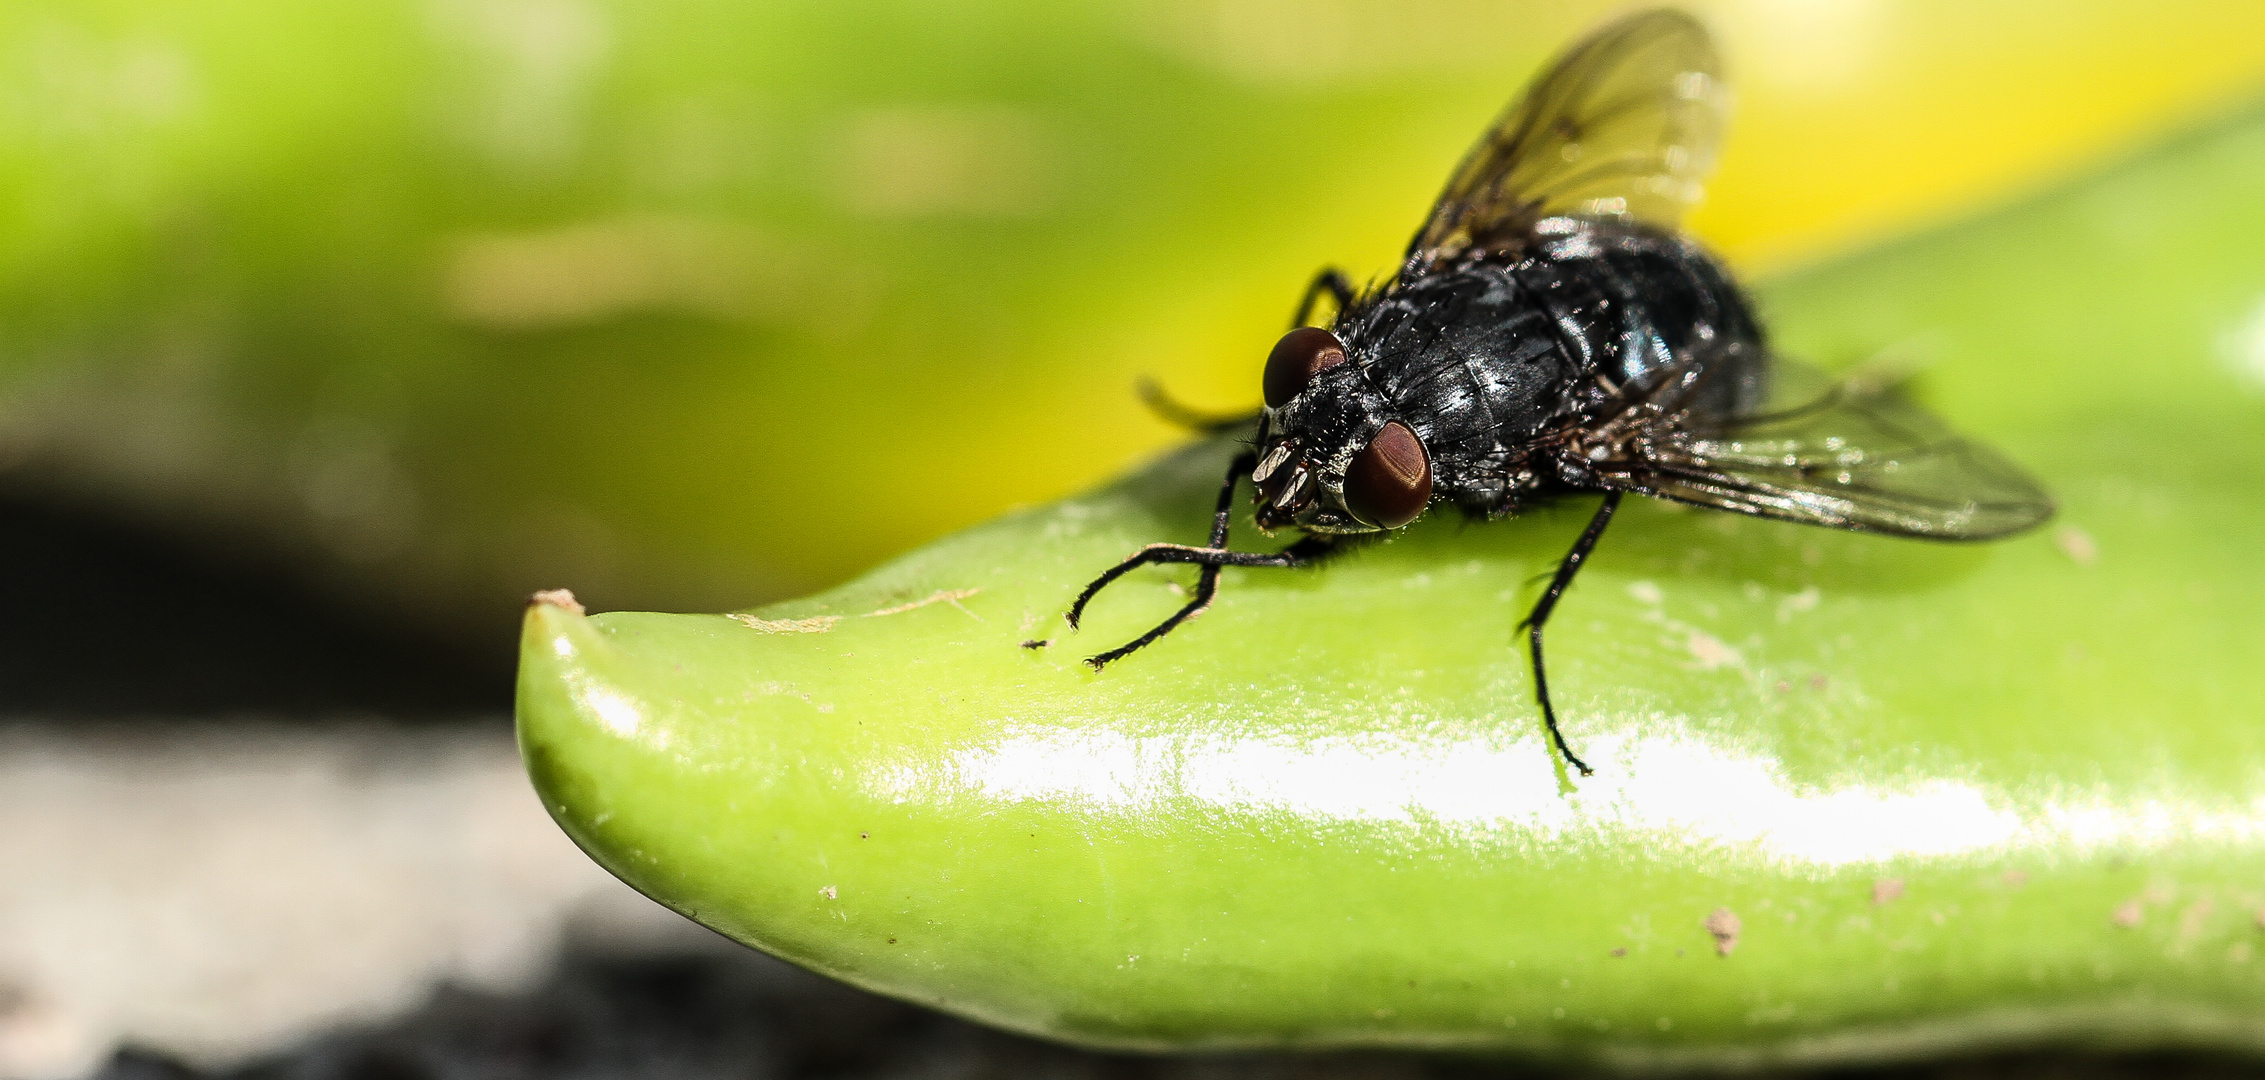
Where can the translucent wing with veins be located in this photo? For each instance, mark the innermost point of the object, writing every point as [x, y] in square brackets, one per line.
[1626, 124]
[1842, 454]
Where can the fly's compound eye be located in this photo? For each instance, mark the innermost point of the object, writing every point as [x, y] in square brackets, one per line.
[1390, 479]
[1297, 358]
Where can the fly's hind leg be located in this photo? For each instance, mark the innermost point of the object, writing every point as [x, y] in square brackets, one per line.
[1330, 280]
[1540, 616]
[1212, 559]
[1169, 409]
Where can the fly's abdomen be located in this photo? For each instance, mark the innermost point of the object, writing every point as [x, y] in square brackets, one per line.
[1627, 301]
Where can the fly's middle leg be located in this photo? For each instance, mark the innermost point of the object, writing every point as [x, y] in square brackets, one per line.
[1540, 615]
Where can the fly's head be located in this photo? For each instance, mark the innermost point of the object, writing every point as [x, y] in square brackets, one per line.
[1331, 459]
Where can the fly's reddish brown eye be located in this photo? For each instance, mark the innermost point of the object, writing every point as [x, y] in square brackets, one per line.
[1297, 358]
[1390, 479]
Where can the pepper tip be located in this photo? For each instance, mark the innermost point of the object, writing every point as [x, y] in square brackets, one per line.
[559, 598]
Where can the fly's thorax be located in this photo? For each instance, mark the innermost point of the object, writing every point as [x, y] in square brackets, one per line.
[1473, 364]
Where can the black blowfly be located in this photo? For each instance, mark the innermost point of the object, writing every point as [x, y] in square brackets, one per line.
[1552, 333]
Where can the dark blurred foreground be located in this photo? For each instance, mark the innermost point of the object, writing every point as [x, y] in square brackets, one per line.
[744, 1016]
[109, 617]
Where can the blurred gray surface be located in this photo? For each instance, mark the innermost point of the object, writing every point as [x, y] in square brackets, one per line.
[218, 889]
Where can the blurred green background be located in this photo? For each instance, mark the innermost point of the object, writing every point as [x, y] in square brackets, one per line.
[697, 304]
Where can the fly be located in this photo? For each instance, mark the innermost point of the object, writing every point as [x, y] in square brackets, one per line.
[1552, 333]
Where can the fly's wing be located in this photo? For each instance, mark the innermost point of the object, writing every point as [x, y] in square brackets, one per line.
[1624, 125]
[1842, 454]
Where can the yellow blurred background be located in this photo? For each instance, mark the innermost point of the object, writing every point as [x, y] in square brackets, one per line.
[696, 304]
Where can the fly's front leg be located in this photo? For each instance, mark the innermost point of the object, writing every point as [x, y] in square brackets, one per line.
[1548, 603]
[1212, 559]
[1220, 516]
[1207, 586]
[1330, 280]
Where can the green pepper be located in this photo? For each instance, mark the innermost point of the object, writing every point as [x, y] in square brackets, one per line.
[1855, 797]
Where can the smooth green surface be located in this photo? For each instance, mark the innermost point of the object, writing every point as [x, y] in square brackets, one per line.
[1955, 795]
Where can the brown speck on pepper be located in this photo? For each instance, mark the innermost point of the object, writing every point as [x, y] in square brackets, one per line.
[2128, 914]
[1724, 925]
[1621, 951]
[1887, 891]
